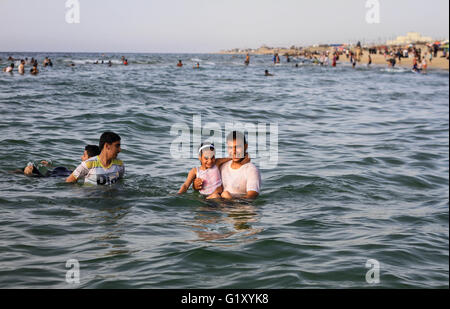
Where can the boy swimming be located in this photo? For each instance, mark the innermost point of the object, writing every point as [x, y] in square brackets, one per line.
[105, 168]
[41, 169]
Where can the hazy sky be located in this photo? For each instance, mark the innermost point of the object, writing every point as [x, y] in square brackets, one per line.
[209, 25]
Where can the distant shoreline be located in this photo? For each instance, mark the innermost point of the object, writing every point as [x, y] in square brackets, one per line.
[437, 63]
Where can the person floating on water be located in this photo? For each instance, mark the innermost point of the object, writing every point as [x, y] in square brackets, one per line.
[197, 66]
[104, 169]
[125, 62]
[240, 178]
[247, 59]
[41, 170]
[9, 69]
[110, 63]
[208, 172]
[180, 64]
[266, 73]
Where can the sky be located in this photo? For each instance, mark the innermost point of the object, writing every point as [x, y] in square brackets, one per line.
[202, 26]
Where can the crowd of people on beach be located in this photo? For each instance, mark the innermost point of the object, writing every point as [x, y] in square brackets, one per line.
[392, 56]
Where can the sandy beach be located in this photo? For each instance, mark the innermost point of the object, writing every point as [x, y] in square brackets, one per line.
[437, 63]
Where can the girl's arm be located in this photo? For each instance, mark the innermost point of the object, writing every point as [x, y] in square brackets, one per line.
[192, 175]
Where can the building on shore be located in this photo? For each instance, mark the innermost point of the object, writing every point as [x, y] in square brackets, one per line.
[410, 38]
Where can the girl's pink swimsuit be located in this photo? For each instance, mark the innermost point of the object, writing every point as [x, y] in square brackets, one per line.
[211, 179]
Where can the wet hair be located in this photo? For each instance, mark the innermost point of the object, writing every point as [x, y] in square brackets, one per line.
[12, 65]
[212, 148]
[92, 150]
[108, 137]
[35, 172]
[236, 136]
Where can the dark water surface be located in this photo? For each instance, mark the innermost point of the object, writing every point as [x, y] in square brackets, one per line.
[363, 165]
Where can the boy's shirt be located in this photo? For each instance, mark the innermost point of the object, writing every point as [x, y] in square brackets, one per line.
[95, 173]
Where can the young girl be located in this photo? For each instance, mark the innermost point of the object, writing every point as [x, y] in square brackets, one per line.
[209, 172]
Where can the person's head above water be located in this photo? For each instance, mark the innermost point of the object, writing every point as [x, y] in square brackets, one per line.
[109, 145]
[236, 146]
[207, 155]
[90, 151]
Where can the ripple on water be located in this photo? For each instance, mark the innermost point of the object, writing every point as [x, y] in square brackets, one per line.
[362, 173]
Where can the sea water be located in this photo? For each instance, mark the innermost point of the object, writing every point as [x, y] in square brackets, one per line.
[361, 174]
